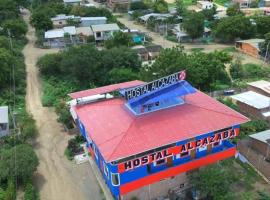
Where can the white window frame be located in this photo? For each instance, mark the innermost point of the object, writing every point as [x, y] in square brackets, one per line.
[113, 179]
[95, 151]
[106, 170]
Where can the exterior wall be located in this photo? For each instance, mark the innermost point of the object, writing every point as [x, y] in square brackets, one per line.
[248, 49]
[136, 181]
[104, 35]
[258, 90]
[249, 110]
[260, 147]
[112, 3]
[179, 183]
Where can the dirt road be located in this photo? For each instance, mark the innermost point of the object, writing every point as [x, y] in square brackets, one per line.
[157, 39]
[56, 177]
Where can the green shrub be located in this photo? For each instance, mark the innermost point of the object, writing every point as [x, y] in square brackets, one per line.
[30, 192]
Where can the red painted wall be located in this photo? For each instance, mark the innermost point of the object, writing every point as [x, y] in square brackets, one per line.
[176, 170]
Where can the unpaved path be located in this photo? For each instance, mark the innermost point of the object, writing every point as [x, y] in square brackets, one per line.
[56, 177]
[158, 39]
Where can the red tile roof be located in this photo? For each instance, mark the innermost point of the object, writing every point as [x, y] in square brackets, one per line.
[105, 89]
[119, 134]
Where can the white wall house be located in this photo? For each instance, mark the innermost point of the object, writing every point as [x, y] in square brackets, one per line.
[58, 38]
[61, 20]
[104, 31]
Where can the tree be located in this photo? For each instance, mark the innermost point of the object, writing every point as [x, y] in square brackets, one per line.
[234, 10]
[160, 6]
[50, 64]
[214, 181]
[262, 25]
[4, 43]
[6, 60]
[236, 69]
[8, 10]
[138, 5]
[2, 194]
[119, 39]
[118, 75]
[26, 162]
[194, 25]
[209, 13]
[41, 20]
[30, 193]
[230, 28]
[180, 7]
[264, 196]
[10, 191]
[82, 63]
[17, 27]
[202, 69]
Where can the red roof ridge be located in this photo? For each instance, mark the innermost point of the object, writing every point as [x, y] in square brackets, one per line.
[110, 139]
[212, 110]
[125, 134]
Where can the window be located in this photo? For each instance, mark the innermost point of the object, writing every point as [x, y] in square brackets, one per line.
[106, 171]
[95, 151]
[184, 154]
[160, 162]
[98, 34]
[115, 179]
[216, 143]
[3, 127]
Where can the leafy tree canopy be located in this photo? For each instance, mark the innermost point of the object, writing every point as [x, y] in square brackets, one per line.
[194, 24]
[234, 10]
[25, 165]
[203, 69]
[231, 28]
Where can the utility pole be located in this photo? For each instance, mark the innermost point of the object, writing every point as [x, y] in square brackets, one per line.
[266, 53]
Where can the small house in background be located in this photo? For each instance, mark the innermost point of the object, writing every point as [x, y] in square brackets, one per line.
[72, 2]
[250, 47]
[205, 5]
[148, 53]
[262, 87]
[253, 104]
[70, 35]
[141, 52]
[89, 21]
[243, 3]
[61, 20]
[260, 142]
[4, 122]
[104, 31]
[153, 51]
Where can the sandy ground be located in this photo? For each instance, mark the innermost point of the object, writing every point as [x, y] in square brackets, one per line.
[56, 177]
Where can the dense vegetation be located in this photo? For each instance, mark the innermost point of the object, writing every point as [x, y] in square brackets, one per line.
[203, 69]
[226, 180]
[17, 172]
[84, 67]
